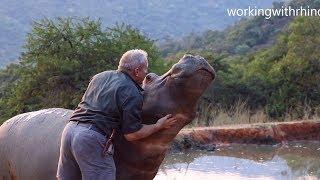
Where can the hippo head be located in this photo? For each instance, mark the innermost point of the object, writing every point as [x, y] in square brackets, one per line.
[178, 90]
[175, 92]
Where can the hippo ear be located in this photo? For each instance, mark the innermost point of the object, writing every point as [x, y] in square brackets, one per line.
[201, 58]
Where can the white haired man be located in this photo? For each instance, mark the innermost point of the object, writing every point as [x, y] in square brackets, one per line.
[113, 101]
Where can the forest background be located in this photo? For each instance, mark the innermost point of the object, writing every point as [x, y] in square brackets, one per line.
[267, 70]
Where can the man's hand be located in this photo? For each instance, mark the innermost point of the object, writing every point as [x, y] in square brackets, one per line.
[166, 122]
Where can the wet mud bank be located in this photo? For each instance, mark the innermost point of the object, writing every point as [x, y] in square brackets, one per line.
[206, 138]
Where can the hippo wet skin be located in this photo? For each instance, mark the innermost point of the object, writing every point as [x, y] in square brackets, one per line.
[30, 142]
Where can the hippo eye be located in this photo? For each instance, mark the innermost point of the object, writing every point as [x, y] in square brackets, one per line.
[149, 78]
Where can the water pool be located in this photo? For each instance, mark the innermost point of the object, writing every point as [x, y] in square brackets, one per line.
[294, 160]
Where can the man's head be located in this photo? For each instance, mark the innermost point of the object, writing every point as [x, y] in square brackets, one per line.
[135, 63]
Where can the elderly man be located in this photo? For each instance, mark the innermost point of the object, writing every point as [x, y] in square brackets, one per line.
[112, 101]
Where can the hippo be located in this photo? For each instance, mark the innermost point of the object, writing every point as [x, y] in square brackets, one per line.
[30, 142]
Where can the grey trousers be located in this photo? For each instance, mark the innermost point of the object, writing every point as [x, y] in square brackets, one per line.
[81, 155]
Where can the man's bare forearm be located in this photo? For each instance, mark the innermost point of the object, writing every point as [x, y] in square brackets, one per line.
[145, 131]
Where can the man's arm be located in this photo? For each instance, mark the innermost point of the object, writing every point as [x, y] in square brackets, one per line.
[147, 130]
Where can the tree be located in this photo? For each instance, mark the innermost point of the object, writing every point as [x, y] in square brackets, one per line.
[63, 54]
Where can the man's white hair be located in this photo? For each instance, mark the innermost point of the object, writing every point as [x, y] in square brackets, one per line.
[133, 59]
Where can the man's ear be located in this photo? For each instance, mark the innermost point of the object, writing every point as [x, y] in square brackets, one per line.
[136, 71]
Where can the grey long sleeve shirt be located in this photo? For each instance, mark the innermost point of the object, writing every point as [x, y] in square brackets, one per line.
[112, 100]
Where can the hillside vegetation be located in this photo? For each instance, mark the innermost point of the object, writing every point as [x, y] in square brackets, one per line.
[245, 36]
[156, 19]
[267, 67]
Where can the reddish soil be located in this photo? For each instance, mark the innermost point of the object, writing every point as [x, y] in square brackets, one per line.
[266, 133]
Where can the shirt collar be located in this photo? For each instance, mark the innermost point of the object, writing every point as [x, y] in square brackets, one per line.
[135, 83]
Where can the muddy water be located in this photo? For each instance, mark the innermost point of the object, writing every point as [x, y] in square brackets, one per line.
[295, 160]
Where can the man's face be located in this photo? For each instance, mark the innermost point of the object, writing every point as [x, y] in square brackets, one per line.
[141, 73]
